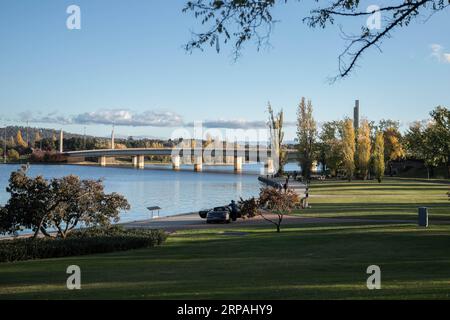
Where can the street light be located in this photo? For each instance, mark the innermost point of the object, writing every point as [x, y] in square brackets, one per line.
[84, 138]
[4, 146]
[40, 140]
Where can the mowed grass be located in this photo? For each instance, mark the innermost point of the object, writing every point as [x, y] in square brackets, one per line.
[309, 261]
[393, 199]
[303, 262]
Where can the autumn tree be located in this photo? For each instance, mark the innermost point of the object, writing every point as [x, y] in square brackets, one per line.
[20, 141]
[276, 122]
[13, 155]
[306, 136]
[37, 138]
[278, 202]
[364, 148]
[393, 141]
[378, 156]
[348, 148]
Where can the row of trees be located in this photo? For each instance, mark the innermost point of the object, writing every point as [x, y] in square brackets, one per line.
[365, 151]
[42, 145]
[341, 148]
[430, 140]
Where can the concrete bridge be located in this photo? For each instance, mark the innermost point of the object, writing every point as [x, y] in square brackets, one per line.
[199, 156]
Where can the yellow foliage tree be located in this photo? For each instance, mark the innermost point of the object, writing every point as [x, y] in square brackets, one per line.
[396, 148]
[378, 156]
[20, 141]
[364, 148]
[348, 148]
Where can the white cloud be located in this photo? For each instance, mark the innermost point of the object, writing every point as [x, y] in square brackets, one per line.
[52, 117]
[437, 52]
[119, 117]
[124, 117]
[150, 118]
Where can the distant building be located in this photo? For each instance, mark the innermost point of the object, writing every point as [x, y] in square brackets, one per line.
[356, 115]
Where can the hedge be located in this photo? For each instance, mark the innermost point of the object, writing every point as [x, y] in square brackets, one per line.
[82, 242]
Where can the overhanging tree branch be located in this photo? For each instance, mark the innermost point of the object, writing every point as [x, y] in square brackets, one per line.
[246, 20]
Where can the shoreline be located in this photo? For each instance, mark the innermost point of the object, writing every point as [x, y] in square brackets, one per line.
[158, 167]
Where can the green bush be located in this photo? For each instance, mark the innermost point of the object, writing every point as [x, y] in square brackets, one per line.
[80, 242]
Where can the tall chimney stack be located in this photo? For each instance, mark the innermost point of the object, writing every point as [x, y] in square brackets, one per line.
[356, 115]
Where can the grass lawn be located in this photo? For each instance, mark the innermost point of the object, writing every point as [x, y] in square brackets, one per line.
[307, 262]
[310, 261]
[393, 199]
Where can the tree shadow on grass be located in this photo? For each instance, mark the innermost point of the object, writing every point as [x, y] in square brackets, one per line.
[327, 263]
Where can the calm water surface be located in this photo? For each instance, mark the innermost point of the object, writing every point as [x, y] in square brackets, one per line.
[174, 191]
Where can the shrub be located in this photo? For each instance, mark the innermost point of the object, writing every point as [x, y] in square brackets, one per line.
[80, 242]
[248, 207]
[13, 155]
[47, 156]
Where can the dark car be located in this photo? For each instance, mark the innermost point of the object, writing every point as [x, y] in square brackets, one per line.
[218, 215]
[203, 213]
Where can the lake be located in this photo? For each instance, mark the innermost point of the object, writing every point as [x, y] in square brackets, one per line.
[174, 191]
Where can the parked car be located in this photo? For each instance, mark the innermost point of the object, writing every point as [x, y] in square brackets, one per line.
[203, 213]
[218, 215]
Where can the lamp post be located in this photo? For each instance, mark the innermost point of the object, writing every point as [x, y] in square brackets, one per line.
[4, 146]
[40, 140]
[84, 138]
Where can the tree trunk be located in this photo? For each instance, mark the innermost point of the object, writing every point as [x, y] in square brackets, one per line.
[36, 232]
[39, 227]
[45, 233]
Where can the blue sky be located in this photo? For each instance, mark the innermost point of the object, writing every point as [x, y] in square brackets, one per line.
[129, 56]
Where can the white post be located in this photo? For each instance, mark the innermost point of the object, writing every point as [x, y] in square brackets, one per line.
[270, 166]
[134, 160]
[176, 162]
[238, 164]
[102, 161]
[141, 162]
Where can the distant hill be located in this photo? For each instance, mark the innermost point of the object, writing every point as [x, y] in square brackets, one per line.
[11, 131]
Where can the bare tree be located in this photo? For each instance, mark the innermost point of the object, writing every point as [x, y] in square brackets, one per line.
[243, 20]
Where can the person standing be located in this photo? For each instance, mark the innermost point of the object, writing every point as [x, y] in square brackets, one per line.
[234, 210]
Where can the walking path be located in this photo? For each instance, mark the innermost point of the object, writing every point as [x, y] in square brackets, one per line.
[193, 221]
[294, 185]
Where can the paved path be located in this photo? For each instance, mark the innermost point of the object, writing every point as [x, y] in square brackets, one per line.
[193, 221]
